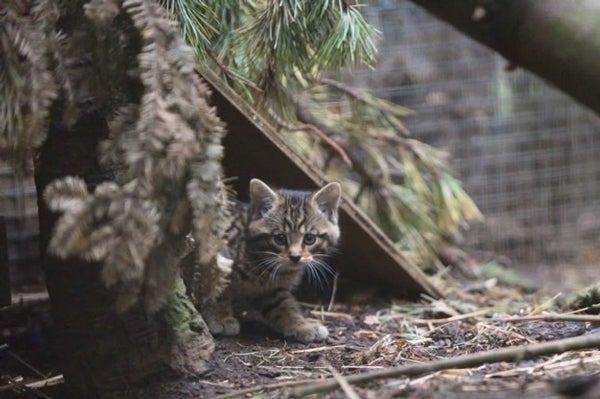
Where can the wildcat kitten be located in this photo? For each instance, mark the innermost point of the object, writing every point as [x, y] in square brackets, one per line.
[273, 241]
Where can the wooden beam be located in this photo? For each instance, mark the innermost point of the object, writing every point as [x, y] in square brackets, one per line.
[555, 39]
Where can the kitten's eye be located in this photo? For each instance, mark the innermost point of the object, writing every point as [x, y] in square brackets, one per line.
[280, 239]
[309, 239]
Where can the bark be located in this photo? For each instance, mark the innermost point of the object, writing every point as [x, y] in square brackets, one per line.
[555, 39]
[101, 350]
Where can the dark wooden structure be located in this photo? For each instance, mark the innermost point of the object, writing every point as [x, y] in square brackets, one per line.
[254, 149]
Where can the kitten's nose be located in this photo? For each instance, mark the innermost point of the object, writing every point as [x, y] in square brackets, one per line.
[295, 258]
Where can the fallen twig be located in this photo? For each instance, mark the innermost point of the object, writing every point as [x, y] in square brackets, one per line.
[547, 304]
[552, 317]
[552, 364]
[363, 367]
[337, 315]
[450, 319]
[511, 319]
[47, 382]
[318, 349]
[269, 387]
[513, 354]
[341, 380]
[368, 355]
[508, 332]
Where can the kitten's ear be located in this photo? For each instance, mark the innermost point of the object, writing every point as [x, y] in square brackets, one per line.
[328, 198]
[262, 197]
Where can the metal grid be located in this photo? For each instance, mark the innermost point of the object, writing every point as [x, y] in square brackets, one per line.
[18, 206]
[526, 153]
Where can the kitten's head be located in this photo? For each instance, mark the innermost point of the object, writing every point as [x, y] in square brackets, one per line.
[293, 228]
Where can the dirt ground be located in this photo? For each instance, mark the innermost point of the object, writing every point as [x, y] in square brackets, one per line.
[370, 333]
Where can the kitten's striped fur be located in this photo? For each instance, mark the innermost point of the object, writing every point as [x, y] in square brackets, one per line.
[275, 239]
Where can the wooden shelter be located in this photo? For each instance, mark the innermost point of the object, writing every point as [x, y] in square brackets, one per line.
[254, 149]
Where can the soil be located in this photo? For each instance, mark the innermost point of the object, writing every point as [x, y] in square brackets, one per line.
[370, 333]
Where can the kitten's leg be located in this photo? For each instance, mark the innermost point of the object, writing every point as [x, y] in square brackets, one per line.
[282, 312]
[218, 315]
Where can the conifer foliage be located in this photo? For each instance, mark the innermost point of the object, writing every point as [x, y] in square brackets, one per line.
[131, 63]
[292, 61]
[164, 145]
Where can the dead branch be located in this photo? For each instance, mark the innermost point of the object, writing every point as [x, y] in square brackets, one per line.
[305, 116]
[513, 319]
[269, 387]
[555, 363]
[318, 349]
[359, 95]
[25, 363]
[309, 127]
[344, 385]
[325, 313]
[552, 317]
[446, 320]
[47, 382]
[513, 354]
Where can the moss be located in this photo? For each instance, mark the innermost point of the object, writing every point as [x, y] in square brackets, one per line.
[189, 341]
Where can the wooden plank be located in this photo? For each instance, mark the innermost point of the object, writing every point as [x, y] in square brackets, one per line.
[254, 149]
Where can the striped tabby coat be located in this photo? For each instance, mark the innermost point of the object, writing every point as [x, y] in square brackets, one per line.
[273, 241]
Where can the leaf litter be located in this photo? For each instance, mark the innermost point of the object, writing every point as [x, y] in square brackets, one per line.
[390, 348]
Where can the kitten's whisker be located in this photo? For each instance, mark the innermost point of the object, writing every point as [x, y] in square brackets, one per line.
[317, 275]
[320, 271]
[319, 278]
[310, 274]
[324, 265]
[273, 276]
[267, 265]
[265, 262]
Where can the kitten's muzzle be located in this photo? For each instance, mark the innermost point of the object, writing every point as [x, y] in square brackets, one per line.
[295, 258]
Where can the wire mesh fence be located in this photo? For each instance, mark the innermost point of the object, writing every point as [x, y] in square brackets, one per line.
[526, 153]
[18, 207]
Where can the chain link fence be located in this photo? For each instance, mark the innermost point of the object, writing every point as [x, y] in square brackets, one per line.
[527, 154]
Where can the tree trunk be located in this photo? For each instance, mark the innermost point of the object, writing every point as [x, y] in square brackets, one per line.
[101, 350]
[555, 39]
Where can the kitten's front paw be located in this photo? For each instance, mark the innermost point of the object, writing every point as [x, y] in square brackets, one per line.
[307, 331]
[226, 326]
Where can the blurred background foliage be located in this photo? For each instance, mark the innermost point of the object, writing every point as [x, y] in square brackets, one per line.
[288, 59]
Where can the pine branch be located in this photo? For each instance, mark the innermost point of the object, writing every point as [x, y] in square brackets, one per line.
[27, 86]
[169, 148]
[388, 110]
